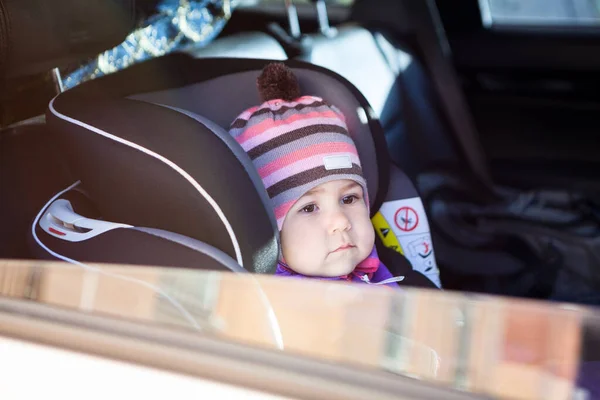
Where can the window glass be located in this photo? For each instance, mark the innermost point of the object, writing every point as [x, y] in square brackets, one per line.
[540, 13]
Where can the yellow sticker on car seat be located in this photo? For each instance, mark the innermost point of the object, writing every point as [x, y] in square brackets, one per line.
[385, 233]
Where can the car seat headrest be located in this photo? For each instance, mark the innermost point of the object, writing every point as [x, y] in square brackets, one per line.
[38, 35]
[220, 89]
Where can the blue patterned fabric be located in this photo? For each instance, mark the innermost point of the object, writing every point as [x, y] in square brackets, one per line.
[175, 25]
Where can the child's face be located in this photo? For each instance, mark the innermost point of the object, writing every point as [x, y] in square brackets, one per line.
[328, 231]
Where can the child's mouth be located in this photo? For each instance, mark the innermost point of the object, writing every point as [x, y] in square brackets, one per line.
[343, 247]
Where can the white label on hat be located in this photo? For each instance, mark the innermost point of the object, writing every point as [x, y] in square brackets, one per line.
[337, 162]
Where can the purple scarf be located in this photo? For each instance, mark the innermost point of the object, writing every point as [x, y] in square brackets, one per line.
[370, 270]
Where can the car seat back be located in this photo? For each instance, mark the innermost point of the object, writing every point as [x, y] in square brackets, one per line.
[144, 105]
[158, 167]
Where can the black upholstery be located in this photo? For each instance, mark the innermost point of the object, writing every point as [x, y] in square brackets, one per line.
[122, 244]
[38, 35]
[31, 171]
[143, 170]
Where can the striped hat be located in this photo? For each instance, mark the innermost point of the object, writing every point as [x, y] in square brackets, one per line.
[296, 143]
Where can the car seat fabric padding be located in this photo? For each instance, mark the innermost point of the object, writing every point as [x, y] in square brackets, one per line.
[237, 92]
[180, 70]
[131, 187]
[240, 154]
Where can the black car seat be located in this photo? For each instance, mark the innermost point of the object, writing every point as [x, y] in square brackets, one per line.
[172, 181]
[39, 193]
[135, 138]
[32, 168]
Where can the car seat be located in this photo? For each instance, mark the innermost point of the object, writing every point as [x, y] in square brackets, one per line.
[152, 167]
[139, 139]
[36, 182]
[32, 168]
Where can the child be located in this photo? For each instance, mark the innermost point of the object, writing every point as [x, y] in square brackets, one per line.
[311, 170]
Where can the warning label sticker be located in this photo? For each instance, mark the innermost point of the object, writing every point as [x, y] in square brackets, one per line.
[406, 219]
[407, 216]
[421, 247]
[408, 222]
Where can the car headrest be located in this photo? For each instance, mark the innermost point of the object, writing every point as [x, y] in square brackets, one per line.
[220, 88]
[38, 35]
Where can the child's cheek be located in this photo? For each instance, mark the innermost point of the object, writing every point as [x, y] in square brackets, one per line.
[366, 233]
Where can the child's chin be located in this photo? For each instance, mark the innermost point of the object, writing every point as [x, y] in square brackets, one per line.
[340, 270]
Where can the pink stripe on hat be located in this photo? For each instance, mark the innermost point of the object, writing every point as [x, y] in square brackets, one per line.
[303, 165]
[267, 126]
[317, 149]
[274, 132]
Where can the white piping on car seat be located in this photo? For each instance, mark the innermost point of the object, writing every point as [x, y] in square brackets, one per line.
[171, 300]
[273, 321]
[178, 169]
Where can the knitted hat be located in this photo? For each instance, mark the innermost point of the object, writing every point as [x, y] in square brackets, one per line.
[295, 142]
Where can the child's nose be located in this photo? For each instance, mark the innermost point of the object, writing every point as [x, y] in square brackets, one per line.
[339, 222]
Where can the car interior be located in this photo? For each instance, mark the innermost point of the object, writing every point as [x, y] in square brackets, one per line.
[489, 123]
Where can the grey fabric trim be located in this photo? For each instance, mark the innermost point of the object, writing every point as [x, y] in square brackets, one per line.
[220, 99]
[196, 245]
[240, 155]
[401, 187]
[223, 99]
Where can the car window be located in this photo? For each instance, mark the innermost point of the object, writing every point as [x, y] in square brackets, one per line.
[481, 344]
[540, 13]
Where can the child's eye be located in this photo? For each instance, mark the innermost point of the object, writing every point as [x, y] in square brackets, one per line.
[308, 209]
[350, 199]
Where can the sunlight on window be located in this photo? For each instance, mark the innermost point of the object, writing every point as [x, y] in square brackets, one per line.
[540, 13]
